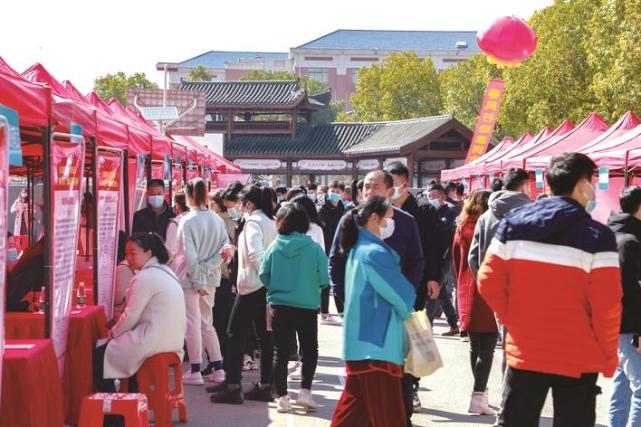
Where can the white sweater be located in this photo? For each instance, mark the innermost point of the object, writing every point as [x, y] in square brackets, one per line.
[258, 233]
[316, 233]
[201, 235]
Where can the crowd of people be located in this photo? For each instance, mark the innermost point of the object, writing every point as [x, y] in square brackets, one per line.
[242, 276]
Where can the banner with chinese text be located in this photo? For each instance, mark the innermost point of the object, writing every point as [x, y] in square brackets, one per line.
[177, 178]
[487, 120]
[109, 173]
[67, 163]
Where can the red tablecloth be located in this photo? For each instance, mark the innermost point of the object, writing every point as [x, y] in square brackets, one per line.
[31, 386]
[86, 326]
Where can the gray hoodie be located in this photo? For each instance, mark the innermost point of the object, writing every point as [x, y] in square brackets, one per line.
[500, 203]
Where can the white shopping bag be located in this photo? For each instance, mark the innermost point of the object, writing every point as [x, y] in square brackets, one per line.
[422, 357]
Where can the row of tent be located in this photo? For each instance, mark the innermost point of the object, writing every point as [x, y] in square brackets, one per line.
[42, 101]
[615, 149]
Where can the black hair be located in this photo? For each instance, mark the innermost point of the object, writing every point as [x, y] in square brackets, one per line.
[281, 190]
[337, 185]
[312, 186]
[293, 218]
[437, 187]
[181, 200]
[262, 198]
[354, 188]
[630, 199]
[151, 242]
[294, 193]
[310, 208]
[398, 169]
[451, 186]
[497, 184]
[217, 197]
[460, 189]
[565, 170]
[515, 178]
[232, 191]
[156, 183]
[197, 191]
[359, 217]
[122, 239]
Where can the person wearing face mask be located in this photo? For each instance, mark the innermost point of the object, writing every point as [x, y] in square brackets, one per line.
[180, 209]
[401, 233]
[378, 297]
[321, 196]
[20, 209]
[330, 214]
[156, 216]
[553, 247]
[311, 191]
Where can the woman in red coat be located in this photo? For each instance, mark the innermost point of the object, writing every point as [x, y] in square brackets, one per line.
[477, 318]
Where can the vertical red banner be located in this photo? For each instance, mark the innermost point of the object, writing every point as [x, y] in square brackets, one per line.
[4, 180]
[109, 173]
[177, 178]
[487, 119]
[67, 165]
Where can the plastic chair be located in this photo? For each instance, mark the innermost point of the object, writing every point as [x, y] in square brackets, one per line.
[153, 380]
[132, 406]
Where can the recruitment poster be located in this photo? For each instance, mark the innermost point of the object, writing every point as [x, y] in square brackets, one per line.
[140, 189]
[67, 164]
[177, 178]
[109, 173]
[4, 179]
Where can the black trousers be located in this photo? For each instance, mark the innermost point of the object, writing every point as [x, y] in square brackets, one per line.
[481, 355]
[222, 311]
[408, 396]
[524, 394]
[325, 302]
[285, 322]
[248, 309]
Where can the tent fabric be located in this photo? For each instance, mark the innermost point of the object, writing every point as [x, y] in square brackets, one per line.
[626, 123]
[620, 152]
[587, 130]
[32, 101]
[7, 69]
[450, 174]
[216, 160]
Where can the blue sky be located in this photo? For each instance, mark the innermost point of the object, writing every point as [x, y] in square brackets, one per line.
[79, 40]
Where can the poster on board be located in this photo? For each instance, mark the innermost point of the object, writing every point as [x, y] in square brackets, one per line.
[140, 189]
[5, 132]
[177, 178]
[67, 165]
[109, 173]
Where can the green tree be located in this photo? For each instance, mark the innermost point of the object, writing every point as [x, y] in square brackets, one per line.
[555, 82]
[313, 86]
[116, 85]
[463, 86]
[402, 87]
[614, 55]
[199, 74]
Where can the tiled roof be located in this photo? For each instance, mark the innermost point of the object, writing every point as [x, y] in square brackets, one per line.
[217, 58]
[250, 92]
[338, 138]
[323, 98]
[395, 40]
[394, 135]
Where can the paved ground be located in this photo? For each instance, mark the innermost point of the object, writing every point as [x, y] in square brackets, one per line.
[445, 395]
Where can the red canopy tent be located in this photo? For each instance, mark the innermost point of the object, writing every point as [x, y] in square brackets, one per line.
[608, 139]
[32, 101]
[464, 170]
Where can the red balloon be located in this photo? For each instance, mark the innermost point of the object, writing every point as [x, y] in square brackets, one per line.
[508, 41]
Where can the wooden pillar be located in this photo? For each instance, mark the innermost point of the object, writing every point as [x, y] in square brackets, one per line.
[410, 168]
[294, 120]
[289, 173]
[230, 119]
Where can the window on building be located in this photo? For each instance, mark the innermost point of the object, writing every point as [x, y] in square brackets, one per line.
[354, 76]
[319, 74]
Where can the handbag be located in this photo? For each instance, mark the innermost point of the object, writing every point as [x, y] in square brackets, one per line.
[422, 357]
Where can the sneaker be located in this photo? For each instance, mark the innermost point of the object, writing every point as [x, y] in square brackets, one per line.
[328, 319]
[479, 404]
[259, 393]
[283, 405]
[416, 402]
[207, 371]
[305, 400]
[451, 332]
[193, 378]
[297, 375]
[232, 397]
[217, 376]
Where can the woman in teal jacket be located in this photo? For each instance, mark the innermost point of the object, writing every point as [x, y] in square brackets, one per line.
[377, 300]
[294, 270]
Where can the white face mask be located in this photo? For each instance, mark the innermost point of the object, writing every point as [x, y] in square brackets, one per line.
[234, 213]
[591, 205]
[312, 196]
[397, 193]
[436, 203]
[155, 201]
[388, 229]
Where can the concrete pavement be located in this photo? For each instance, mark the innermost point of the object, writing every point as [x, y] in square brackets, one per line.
[445, 395]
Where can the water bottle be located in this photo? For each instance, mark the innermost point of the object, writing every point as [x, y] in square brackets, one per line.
[81, 297]
[42, 300]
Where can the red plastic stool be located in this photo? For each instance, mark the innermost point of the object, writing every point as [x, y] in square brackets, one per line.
[153, 380]
[132, 406]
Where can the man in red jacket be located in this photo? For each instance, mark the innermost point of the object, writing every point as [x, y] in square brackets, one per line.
[552, 252]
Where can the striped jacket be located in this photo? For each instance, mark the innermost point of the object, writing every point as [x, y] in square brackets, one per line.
[551, 275]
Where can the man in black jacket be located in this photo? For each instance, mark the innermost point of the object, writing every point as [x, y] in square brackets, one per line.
[625, 404]
[429, 227]
[156, 216]
[331, 212]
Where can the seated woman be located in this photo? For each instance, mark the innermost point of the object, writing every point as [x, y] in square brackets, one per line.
[154, 319]
[27, 275]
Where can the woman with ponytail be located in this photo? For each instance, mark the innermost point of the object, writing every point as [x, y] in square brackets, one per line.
[378, 298]
[201, 236]
[258, 205]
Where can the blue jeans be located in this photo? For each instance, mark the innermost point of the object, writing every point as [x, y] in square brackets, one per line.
[625, 404]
